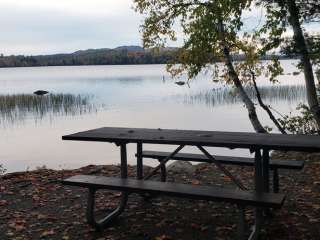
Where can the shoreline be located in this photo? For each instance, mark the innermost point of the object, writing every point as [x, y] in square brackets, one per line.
[125, 64]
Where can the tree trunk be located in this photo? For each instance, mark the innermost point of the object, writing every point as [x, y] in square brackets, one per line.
[305, 59]
[236, 81]
[244, 96]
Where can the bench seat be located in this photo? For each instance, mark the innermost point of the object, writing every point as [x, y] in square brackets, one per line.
[229, 160]
[241, 161]
[209, 193]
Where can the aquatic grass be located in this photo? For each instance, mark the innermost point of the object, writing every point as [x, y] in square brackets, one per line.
[227, 95]
[19, 107]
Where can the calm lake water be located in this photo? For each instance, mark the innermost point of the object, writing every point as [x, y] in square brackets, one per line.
[88, 97]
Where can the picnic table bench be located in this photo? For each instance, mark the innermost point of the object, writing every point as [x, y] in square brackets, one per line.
[259, 144]
[209, 193]
[274, 164]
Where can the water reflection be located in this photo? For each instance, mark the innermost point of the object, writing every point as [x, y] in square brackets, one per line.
[129, 80]
[125, 96]
[17, 108]
[227, 95]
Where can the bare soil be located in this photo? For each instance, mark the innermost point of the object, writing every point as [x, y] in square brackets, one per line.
[34, 205]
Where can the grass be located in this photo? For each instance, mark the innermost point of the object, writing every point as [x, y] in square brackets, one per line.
[18, 107]
[227, 95]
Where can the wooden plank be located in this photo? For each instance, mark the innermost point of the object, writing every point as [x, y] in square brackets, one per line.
[287, 142]
[241, 161]
[209, 193]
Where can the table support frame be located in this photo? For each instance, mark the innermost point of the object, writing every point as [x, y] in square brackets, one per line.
[109, 219]
[261, 184]
[261, 181]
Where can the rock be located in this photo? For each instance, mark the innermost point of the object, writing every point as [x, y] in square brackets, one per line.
[181, 166]
[180, 83]
[40, 92]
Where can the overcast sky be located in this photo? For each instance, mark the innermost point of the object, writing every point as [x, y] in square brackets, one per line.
[60, 26]
[53, 26]
[32, 27]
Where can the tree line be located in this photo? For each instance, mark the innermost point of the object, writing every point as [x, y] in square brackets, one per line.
[88, 57]
[118, 56]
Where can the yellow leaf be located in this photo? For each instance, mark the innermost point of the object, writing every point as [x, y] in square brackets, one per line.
[47, 233]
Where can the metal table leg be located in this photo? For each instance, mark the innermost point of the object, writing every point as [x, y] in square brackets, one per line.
[275, 180]
[139, 161]
[266, 161]
[163, 162]
[124, 162]
[241, 229]
[266, 177]
[163, 172]
[99, 224]
[259, 186]
[222, 168]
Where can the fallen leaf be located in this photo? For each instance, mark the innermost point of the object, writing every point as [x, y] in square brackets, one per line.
[47, 233]
[3, 202]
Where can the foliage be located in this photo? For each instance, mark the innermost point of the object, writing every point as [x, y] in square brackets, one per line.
[199, 22]
[212, 31]
[283, 16]
[309, 9]
[313, 43]
[304, 123]
[204, 43]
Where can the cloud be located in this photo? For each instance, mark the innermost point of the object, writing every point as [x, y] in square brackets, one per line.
[77, 7]
[58, 26]
[48, 26]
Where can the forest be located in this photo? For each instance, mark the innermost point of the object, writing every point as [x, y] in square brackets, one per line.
[104, 56]
[122, 55]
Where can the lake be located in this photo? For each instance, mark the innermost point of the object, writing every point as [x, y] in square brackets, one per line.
[87, 97]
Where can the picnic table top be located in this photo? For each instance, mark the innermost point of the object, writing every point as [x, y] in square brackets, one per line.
[249, 140]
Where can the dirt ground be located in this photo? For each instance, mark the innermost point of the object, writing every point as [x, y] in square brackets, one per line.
[34, 205]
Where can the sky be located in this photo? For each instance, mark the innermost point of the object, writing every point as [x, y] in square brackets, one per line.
[32, 27]
[54, 26]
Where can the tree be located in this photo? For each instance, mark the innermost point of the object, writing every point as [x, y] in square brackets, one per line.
[211, 35]
[295, 13]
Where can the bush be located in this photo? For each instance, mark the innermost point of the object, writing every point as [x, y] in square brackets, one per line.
[304, 123]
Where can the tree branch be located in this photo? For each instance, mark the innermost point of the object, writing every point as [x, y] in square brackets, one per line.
[265, 107]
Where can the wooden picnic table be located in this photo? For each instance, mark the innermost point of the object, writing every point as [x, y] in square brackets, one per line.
[259, 144]
[248, 140]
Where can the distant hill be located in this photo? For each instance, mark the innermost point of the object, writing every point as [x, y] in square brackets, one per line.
[130, 48]
[106, 50]
[91, 51]
[104, 56]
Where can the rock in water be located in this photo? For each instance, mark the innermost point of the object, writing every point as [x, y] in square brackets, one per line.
[180, 83]
[181, 166]
[40, 92]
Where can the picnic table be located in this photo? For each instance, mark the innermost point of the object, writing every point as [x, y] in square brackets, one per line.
[258, 144]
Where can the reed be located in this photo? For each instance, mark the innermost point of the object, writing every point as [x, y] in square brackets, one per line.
[227, 95]
[19, 107]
